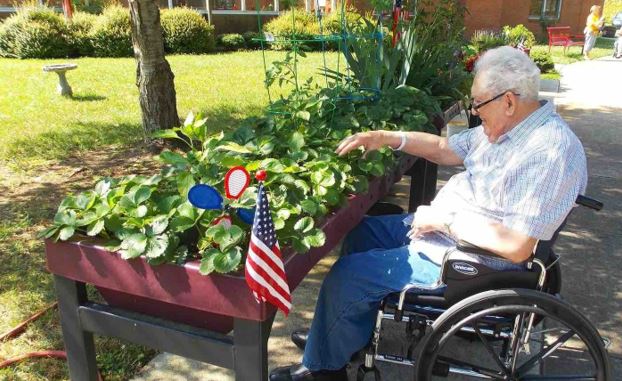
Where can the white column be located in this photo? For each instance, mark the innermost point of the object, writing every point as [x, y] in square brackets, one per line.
[333, 5]
[243, 5]
[308, 5]
[276, 5]
[208, 8]
[170, 4]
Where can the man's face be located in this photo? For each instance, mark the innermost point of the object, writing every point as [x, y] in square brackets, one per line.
[494, 114]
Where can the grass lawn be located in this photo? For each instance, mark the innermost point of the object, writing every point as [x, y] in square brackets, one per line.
[38, 125]
[603, 48]
[51, 146]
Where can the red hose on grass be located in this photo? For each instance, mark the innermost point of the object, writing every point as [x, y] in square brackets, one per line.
[38, 354]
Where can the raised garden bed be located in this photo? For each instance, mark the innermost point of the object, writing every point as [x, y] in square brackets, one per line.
[181, 293]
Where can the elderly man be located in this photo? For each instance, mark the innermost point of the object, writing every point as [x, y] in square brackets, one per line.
[523, 171]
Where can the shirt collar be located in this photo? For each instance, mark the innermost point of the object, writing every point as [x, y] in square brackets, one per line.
[534, 120]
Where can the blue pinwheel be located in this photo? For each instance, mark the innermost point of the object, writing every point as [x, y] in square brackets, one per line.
[204, 196]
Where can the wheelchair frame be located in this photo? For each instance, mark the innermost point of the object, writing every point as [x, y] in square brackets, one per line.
[433, 324]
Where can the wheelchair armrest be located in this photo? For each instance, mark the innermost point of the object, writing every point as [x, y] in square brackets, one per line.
[468, 247]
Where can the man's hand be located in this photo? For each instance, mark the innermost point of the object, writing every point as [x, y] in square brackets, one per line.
[370, 141]
[427, 220]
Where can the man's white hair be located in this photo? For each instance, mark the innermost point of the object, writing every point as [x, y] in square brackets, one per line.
[508, 69]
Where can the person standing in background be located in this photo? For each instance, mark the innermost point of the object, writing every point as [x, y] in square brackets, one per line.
[592, 28]
[617, 47]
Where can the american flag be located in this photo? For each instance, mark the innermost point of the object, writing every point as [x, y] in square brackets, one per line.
[521, 46]
[265, 274]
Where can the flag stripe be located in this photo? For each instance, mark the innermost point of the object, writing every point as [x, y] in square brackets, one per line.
[276, 258]
[279, 279]
[261, 278]
[267, 260]
[267, 287]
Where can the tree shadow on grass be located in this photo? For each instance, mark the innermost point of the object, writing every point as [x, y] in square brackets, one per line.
[57, 145]
[229, 117]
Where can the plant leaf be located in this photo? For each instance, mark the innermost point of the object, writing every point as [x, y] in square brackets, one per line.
[66, 233]
[95, 228]
[304, 224]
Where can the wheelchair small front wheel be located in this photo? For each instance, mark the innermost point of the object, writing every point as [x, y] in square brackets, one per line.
[518, 334]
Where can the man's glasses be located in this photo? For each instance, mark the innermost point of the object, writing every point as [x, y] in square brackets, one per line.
[476, 107]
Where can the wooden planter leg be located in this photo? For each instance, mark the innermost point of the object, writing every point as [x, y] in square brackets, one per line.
[251, 349]
[79, 344]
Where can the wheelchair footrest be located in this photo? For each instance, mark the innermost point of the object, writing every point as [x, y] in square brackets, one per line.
[364, 371]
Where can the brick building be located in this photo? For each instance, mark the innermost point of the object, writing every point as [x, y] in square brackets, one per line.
[241, 15]
[494, 14]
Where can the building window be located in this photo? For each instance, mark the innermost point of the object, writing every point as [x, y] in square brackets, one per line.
[545, 9]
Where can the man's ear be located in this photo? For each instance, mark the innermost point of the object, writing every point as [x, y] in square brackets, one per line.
[510, 101]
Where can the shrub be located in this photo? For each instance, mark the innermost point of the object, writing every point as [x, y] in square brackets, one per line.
[34, 32]
[111, 35]
[518, 34]
[487, 39]
[543, 60]
[80, 29]
[305, 27]
[231, 41]
[186, 31]
[248, 39]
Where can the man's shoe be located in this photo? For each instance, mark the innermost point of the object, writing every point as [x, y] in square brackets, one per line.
[299, 337]
[300, 372]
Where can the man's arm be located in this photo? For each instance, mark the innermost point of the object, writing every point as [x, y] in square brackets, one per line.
[495, 237]
[428, 146]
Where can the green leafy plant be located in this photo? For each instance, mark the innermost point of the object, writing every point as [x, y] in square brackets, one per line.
[544, 61]
[519, 34]
[483, 40]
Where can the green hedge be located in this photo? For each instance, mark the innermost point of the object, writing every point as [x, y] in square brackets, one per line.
[306, 26]
[112, 33]
[34, 32]
[186, 31]
[41, 32]
[231, 41]
[79, 34]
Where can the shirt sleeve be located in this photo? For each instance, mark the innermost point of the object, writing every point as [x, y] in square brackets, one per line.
[542, 190]
[461, 143]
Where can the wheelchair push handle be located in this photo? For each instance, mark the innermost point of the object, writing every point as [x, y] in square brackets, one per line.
[589, 202]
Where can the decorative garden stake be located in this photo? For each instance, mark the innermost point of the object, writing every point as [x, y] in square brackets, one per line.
[264, 270]
[204, 196]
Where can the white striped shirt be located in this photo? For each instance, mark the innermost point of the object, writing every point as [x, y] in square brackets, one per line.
[528, 180]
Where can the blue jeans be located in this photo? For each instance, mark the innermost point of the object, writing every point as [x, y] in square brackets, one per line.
[376, 262]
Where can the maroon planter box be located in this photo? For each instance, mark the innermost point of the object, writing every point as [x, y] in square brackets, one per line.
[181, 293]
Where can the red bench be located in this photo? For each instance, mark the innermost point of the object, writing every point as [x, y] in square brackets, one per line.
[560, 36]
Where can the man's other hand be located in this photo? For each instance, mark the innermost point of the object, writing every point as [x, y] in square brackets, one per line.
[426, 220]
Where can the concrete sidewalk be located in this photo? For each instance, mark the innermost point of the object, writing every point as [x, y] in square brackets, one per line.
[590, 99]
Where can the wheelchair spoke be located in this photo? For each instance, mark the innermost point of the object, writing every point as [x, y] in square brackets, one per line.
[544, 353]
[494, 374]
[491, 351]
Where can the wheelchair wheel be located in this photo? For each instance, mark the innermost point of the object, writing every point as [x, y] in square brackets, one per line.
[562, 345]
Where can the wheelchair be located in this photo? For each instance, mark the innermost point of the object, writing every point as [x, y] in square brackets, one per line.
[526, 330]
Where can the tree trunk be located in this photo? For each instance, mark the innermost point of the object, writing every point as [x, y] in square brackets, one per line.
[154, 77]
